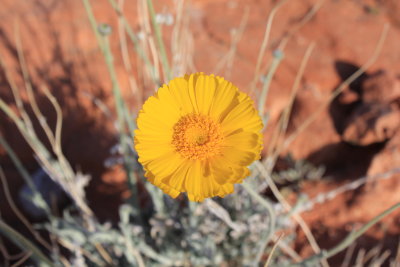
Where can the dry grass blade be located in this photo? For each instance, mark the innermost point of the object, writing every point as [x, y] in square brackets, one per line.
[228, 59]
[222, 214]
[264, 44]
[350, 239]
[22, 260]
[160, 41]
[271, 254]
[341, 87]
[299, 25]
[274, 148]
[349, 255]
[182, 48]
[287, 206]
[136, 92]
[17, 95]
[22, 218]
[24, 243]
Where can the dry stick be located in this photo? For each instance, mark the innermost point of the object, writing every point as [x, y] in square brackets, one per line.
[126, 58]
[287, 206]
[29, 89]
[21, 169]
[236, 38]
[15, 256]
[380, 260]
[372, 253]
[308, 16]
[323, 197]
[229, 57]
[278, 54]
[41, 152]
[41, 203]
[282, 126]
[86, 253]
[143, 15]
[17, 96]
[264, 43]
[4, 253]
[54, 139]
[104, 254]
[222, 214]
[360, 257]
[23, 243]
[397, 259]
[29, 136]
[57, 133]
[349, 239]
[19, 214]
[177, 41]
[298, 26]
[135, 40]
[337, 91]
[289, 251]
[22, 260]
[160, 42]
[180, 41]
[349, 255]
[341, 87]
[272, 251]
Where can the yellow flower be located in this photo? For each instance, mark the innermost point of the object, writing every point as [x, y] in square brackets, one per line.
[197, 135]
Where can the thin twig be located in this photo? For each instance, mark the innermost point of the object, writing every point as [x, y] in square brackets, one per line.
[323, 197]
[22, 260]
[24, 243]
[148, 38]
[269, 259]
[341, 87]
[286, 205]
[349, 239]
[160, 42]
[265, 43]
[282, 125]
[18, 213]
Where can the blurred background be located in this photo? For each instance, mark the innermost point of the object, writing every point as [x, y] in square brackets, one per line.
[332, 141]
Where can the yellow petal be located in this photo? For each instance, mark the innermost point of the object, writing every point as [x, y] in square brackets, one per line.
[239, 157]
[225, 98]
[225, 190]
[179, 90]
[193, 181]
[205, 91]
[242, 116]
[165, 165]
[178, 178]
[247, 141]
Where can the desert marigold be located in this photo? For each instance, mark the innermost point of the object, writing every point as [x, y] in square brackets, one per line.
[197, 135]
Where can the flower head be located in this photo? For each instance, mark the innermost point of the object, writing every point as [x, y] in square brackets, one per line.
[197, 135]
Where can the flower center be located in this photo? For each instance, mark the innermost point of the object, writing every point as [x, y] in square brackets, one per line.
[197, 137]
